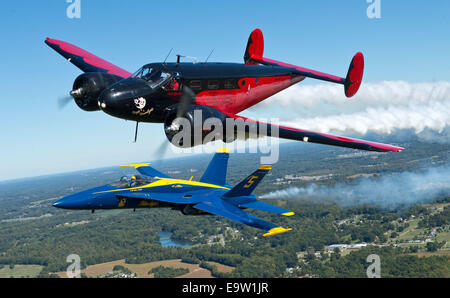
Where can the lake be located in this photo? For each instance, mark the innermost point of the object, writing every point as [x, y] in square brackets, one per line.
[164, 239]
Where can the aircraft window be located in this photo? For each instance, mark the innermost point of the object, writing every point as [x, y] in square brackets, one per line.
[173, 85]
[132, 181]
[196, 84]
[213, 84]
[146, 72]
[143, 72]
[155, 77]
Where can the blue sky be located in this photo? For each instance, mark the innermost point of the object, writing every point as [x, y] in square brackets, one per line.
[409, 42]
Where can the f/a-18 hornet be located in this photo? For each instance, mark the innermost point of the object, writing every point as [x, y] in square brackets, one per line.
[211, 195]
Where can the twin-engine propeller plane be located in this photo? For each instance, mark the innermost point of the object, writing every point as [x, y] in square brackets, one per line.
[212, 195]
[167, 92]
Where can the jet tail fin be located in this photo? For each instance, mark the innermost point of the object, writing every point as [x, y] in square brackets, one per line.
[247, 185]
[216, 173]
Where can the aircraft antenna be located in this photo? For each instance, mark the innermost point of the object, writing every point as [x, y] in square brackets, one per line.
[209, 55]
[136, 131]
[168, 55]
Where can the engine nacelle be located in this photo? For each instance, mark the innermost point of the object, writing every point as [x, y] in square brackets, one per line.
[197, 125]
[88, 86]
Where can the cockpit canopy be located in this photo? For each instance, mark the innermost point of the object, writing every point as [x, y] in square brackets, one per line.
[155, 76]
[129, 181]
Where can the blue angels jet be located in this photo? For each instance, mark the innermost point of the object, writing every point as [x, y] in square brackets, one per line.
[212, 195]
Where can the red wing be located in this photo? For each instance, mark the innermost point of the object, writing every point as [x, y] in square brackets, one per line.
[84, 60]
[296, 134]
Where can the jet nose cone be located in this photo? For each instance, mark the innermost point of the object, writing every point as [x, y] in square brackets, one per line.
[76, 201]
[60, 204]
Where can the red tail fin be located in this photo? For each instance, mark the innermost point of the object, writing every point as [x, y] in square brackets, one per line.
[354, 75]
[255, 46]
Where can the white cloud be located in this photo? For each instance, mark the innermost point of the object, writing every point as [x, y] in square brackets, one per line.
[434, 116]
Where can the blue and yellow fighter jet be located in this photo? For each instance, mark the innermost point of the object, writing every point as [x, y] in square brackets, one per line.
[212, 195]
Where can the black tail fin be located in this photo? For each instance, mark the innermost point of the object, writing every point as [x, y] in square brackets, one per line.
[247, 185]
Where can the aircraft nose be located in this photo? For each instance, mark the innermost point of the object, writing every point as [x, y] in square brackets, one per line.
[61, 204]
[119, 98]
[73, 202]
[108, 100]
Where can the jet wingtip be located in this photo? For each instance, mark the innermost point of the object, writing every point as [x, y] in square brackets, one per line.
[277, 230]
[288, 213]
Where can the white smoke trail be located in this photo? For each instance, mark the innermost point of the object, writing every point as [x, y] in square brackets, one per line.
[382, 107]
[434, 116]
[385, 93]
[389, 192]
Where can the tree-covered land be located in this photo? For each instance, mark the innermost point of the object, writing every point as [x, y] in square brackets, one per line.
[412, 240]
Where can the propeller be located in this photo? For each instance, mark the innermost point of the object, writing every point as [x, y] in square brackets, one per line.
[186, 99]
[64, 101]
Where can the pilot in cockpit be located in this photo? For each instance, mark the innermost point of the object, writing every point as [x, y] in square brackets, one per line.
[133, 181]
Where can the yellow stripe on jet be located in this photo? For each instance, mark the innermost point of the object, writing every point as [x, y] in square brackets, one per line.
[136, 165]
[223, 150]
[276, 230]
[266, 167]
[167, 181]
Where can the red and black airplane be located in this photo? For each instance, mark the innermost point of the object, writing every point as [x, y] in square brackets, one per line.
[165, 92]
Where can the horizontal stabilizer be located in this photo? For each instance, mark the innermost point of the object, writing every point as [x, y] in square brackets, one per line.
[224, 209]
[254, 54]
[259, 205]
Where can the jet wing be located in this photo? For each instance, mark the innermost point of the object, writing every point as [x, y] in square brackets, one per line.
[290, 133]
[146, 170]
[84, 60]
[224, 209]
[173, 198]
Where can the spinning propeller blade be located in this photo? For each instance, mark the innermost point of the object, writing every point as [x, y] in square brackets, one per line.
[186, 99]
[63, 101]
